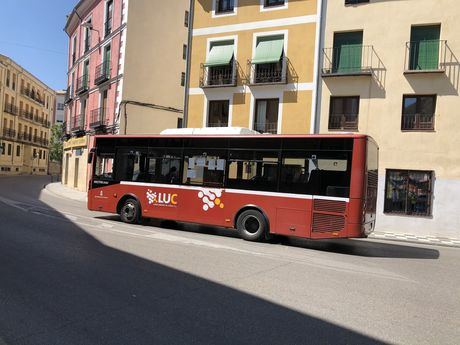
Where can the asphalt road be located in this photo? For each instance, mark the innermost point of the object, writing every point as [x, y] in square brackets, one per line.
[69, 276]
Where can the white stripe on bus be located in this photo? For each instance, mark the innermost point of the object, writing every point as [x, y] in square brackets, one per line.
[238, 191]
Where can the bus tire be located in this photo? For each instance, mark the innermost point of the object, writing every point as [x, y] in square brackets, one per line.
[130, 212]
[252, 226]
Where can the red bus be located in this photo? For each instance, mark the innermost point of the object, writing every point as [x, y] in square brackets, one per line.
[310, 186]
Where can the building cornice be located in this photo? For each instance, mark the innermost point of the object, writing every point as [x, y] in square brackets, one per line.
[78, 12]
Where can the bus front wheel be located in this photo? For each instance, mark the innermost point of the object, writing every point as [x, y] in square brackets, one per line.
[252, 226]
[130, 212]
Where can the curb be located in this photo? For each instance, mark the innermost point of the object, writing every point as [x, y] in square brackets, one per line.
[410, 238]
[65, 192]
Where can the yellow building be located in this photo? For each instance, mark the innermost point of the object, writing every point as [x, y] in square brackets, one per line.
[391, 69]
[26, 108]
[252, 64]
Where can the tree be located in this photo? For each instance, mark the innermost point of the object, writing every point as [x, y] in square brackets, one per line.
[56, 148]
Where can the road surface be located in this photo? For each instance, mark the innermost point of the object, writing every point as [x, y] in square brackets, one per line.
[70, 276]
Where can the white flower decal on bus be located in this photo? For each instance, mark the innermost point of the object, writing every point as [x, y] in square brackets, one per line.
[211, 198]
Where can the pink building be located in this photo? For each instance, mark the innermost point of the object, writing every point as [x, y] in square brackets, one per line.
[97, 30]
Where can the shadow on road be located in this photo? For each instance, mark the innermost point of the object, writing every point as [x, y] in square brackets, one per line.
[357, 247]
[60, 285]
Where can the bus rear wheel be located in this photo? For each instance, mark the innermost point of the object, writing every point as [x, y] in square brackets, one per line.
[252, 226]
[130, 212]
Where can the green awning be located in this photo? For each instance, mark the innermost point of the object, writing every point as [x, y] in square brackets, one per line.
[269, 51]
[220, 55]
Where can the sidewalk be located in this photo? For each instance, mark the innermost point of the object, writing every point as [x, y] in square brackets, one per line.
[57, 188]
[65, 192]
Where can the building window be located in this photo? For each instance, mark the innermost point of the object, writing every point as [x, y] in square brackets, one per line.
[418, 113]
[224, 6]
[108, 18]
[269, 63]
[18, 151]
[424, 47]
[3, 149]
[180, 122]
[186, 18]
[10, 149]
[408, 192]
[14, 82]
[8, 78]
[218, 113]
[347, 52]
[343, 113]
[273, 3]
[87, 45]
[266, 116]
[219, 68]
[184, 52]
[182, 79]
[74, 50]
[60, 106]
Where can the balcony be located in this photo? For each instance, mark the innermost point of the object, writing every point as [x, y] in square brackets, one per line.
[68, 95]
[266, 127]
[218, 76]
[268, 73]
[11, 109]
[417, 122]
[353, 60]
[26, 114]
[426, 56]
[102, 73]
[33, 95]
[78, 124]
[108, 27]
[98, 120]
[82, 84]
[9, 133]
[343, 122]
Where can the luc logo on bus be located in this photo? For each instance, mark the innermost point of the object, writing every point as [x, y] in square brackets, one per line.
[161, 199]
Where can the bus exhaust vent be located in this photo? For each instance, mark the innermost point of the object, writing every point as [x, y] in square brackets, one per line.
[329, 206]
[327, 222]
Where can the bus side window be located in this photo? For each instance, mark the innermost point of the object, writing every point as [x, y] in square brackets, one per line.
[104, 166]
[204, 168]
[163, 166]
[253, 170]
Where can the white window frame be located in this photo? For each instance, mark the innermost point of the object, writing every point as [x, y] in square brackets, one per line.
[273, 8]
[212, 40]
[218, 15]
[89, 18]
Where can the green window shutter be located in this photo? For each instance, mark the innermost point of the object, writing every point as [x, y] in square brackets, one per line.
[424, 47]
[347, 54]
[220, 54]
[269, 50]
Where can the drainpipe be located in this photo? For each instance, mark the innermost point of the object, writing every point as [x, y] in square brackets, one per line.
[317, 81]
[188, 63]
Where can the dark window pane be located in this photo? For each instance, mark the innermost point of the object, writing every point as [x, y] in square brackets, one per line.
[418, 112]
[266, 117]
[343, 113]
[253, 170]
[225, 5]
[218, 113]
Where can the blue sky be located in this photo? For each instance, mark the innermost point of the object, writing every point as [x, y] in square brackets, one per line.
[32, 35]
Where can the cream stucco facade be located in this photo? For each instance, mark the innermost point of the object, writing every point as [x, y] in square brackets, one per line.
[26, 109]
[244, 27]
[388, 75]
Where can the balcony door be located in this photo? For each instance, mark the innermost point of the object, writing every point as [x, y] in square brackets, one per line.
[424, 47]
[266, 119]
[347, 56]
[107, 57]
[104, 103]
[418, 112]
[218, 113]
[343, 113]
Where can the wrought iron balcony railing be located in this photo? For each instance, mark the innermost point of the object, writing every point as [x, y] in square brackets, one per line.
[352, 60]
[428, 56]
[102, 72]
[32, 94]
[98, 118]
[78, 123]
[11, 109]
[82, 84]
[266, 127]
[417, 122]
[216, 76]
[26, 114]
[68, 95]
[343, 122]
[268, 73]
[9, 133]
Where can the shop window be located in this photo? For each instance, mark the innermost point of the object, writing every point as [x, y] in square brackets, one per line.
[408, 192]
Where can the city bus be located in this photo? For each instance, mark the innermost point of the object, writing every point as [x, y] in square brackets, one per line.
[308, 186]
